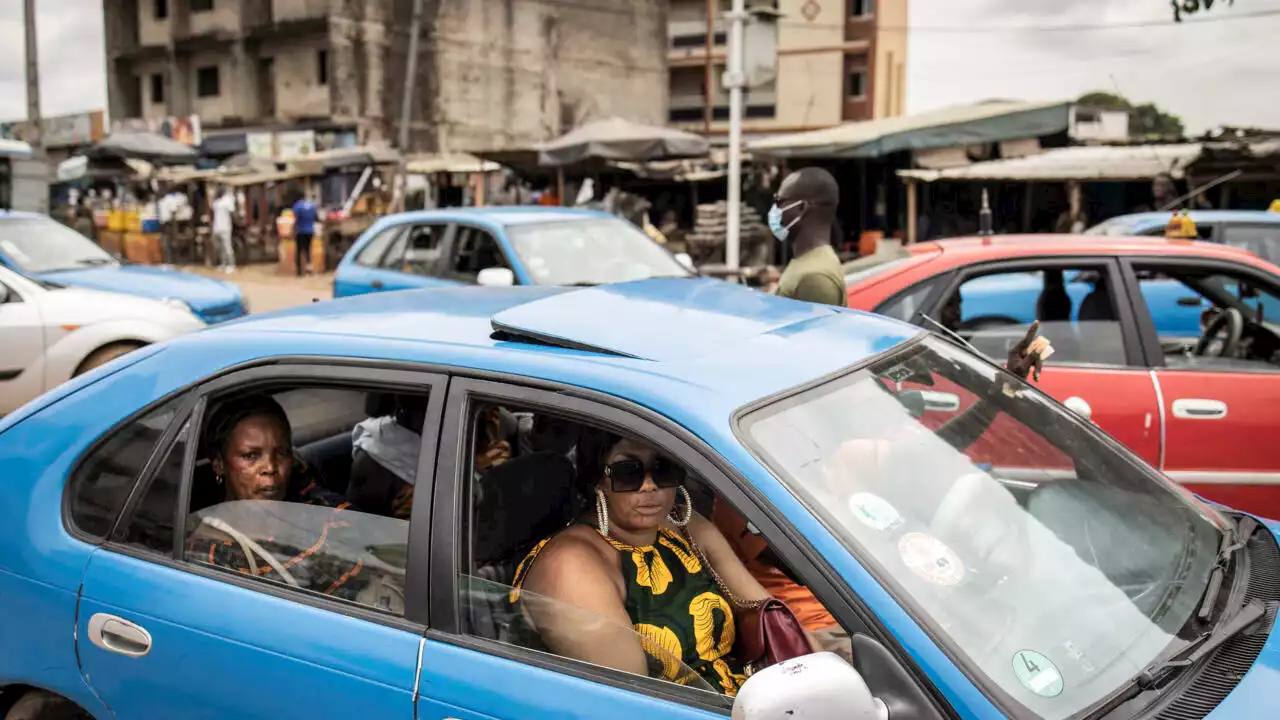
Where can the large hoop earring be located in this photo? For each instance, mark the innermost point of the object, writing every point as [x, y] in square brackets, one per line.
[688, 510]
[602, 512]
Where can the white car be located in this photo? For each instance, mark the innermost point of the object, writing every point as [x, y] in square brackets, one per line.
[50, 333]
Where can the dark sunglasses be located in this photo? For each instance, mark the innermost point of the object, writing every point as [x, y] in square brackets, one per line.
[626, 476]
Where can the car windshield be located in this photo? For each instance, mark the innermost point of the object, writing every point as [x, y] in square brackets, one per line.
[1053, 564]
[37, 245]
[596, 251]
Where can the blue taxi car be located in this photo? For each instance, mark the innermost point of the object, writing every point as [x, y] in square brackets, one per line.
[509, 245]
[1065, 579]
[41, 248]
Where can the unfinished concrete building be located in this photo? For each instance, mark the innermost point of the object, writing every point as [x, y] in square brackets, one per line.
[491, 74]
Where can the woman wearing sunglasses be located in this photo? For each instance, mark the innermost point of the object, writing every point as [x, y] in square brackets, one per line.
[658, 582]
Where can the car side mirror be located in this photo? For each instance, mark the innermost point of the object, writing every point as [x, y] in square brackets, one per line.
[685, 260]
[818, 687]
[918, 402]
[4, 293]
[496, 277]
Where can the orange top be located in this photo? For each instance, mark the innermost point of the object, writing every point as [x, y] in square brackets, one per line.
[809, 611]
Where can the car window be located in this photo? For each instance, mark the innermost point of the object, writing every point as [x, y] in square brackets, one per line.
[530, 480]
[303, 487]
[1261, 240]
[372, 254]
[1183, 301]
[474, 250]
[104, 479]
[422, 249]
[590, 251]
[906, 305]
[1075, 306]
[37, 245]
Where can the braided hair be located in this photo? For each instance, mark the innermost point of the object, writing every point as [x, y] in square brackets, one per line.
[230, 413]
[593, 454]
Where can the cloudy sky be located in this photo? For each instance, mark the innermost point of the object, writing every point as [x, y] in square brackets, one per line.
[1213, 71]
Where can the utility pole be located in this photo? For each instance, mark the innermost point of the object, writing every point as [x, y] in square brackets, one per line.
[406, 109]
[34, 135]
[734, 80]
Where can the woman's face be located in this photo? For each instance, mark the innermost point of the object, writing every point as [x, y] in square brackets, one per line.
[644, 509]
[258, 459]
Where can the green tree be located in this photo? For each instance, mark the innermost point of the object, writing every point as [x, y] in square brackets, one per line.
[1145, 120]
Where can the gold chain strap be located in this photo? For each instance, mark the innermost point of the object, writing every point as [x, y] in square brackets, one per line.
[720, 583]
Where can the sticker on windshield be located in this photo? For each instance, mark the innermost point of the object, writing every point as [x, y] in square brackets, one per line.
[897, 373]
[1037, 673]
[931, 559]
[874, 511]
[14, 251]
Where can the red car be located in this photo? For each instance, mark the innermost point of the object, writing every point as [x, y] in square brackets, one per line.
[1171, 346]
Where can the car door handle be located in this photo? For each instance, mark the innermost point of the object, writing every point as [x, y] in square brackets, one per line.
[117, 635]
[376, 284]
[1197, 409]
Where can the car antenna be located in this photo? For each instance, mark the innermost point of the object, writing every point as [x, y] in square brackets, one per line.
[951, 333]
[985, 220]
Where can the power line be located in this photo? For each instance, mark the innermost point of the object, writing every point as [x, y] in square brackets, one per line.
[1082, 27]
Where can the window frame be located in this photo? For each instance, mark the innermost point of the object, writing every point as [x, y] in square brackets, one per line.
[392, 233]
[849, 72]
[437, 268]
[156, 82]
[932, 300]
[1134, 352]
[619, 415]
[217, 81]
[1146, 327]
[317, 372]
[451, 252]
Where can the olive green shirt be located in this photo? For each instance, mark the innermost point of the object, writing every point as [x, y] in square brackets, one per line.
[815, 277]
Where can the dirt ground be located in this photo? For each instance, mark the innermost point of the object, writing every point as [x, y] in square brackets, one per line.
[265, 290]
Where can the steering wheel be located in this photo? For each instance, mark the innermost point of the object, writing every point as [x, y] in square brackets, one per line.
[968, 517]
[1230, 317]
[249, 547]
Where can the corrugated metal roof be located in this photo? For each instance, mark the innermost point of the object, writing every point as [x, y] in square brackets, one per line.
[990, 121]
[449, 163]
[1136, 162]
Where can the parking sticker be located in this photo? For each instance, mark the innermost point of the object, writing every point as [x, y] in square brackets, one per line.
[874, 511]
[1037, 673]
[931, 559]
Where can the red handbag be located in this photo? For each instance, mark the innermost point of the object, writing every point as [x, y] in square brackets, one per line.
[767, 631]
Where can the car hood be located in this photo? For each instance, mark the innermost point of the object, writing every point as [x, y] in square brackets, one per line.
[1257, 691]
[201, 293]
[82, 306]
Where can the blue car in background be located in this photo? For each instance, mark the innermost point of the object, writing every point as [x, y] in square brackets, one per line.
[43, 249]
[1257, 231]
[514, 245]
[983, 552]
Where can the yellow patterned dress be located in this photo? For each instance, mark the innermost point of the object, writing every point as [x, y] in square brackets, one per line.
[675, 608]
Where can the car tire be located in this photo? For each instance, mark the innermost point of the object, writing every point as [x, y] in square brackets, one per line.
[41, 705]
[105, 354]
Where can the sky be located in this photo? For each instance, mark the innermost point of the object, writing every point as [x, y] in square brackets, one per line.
[1217, 69]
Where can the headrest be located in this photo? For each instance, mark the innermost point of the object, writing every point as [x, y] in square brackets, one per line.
[379, 404]
[521, 502]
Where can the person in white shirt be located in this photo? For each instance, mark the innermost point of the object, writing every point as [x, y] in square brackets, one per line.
[224, 209]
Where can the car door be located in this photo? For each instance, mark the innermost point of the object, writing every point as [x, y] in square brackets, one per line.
[477, 664]
[364, 272]
[1097, 366]
[21, 361]
[1220, 418]
[413, 258]
[161, 632]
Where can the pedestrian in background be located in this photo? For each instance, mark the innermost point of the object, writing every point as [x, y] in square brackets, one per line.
[803, 216]
[304, 228]
[224, 210]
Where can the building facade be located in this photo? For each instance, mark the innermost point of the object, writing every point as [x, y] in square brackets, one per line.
[837, 61]
[491, 74]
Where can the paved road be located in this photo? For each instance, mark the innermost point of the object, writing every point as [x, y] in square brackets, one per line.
[267, 291]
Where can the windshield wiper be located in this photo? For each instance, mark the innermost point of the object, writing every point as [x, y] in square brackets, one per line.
[94, 261]
[1232, 541]
[1161, 672]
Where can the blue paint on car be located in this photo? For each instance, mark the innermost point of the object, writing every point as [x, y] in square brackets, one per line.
[43, 249]
[694, 351]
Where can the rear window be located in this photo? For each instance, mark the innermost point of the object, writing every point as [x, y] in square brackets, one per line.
[1261, 240]
[1115, 227]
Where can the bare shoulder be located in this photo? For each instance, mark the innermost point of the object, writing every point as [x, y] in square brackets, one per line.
[703, 530]
[574, 551]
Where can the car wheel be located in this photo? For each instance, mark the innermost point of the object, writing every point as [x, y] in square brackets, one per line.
[41, 705]
[105, 354]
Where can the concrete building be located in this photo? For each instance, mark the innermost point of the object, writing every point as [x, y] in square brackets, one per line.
[837, 61]
[491, 73]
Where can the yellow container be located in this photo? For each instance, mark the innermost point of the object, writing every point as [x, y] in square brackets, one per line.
[116, 221]
[133, 221]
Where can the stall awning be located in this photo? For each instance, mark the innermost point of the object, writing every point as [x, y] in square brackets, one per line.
[1084, 164]
[984, 122]
[449, 163]
[318, 162]
[245, 179]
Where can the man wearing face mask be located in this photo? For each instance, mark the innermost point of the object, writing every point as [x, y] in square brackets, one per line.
[803, 214]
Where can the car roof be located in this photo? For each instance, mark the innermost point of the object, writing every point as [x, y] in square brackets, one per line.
[998, 246]
[501, 215]
[1201, 216]
[662, 339]
[22, 215]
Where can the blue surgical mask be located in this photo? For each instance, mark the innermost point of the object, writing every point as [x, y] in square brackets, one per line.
[779, 230]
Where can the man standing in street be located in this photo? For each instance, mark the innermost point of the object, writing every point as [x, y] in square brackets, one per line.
[224, 209]
[803, 214]
[304, 228]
